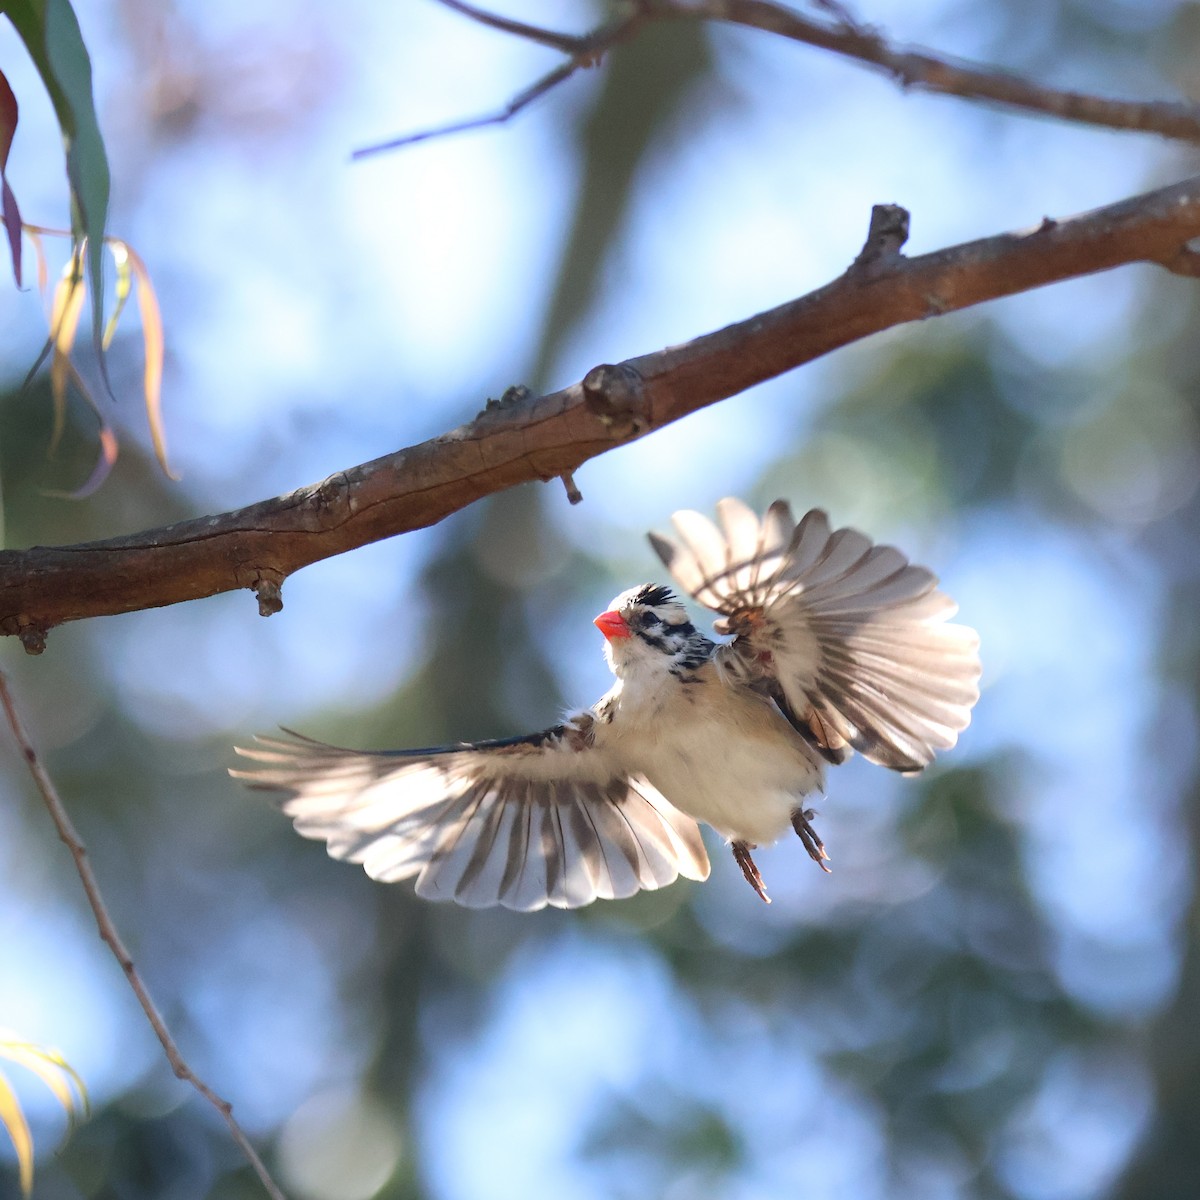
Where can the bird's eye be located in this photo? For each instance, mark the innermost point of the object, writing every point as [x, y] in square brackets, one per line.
[650, 618]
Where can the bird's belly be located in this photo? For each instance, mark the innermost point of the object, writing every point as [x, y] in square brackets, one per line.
[745, 787]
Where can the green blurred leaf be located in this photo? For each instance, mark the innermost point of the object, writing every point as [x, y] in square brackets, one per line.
[51, 34]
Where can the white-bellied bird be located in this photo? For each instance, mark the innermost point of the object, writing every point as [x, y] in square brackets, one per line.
[837, 645]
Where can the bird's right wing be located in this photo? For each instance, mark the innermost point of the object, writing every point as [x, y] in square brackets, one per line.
[523, 822]
[851, 639]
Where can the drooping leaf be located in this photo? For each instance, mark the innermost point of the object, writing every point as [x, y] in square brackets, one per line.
[105, 461]
[64, 323]
[109, 446]
[124, 285]
[53, 1070]
[152, 346]
[39, 254]
[57, 1074]
[65, 307]
[13, 1119]
[8, 201]
[51, 34]
[8, 119]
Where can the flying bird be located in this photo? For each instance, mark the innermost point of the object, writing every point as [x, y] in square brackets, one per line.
[837, 645]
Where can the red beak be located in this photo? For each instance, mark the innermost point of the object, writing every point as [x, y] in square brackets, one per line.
[612, 624]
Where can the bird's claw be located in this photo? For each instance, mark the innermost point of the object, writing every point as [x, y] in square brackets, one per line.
[741, 855]
[801, 823]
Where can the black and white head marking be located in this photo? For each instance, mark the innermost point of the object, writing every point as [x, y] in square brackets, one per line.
[657, 620]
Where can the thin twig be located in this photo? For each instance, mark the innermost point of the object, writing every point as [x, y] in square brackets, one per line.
[514, 106]
[109, 934]
[842, 34]
[583, 51]
[568, 43]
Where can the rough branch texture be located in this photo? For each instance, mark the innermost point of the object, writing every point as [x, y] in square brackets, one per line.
[523, 438]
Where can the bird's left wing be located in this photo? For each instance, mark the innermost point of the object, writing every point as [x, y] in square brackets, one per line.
[522, 822]
[851, 639]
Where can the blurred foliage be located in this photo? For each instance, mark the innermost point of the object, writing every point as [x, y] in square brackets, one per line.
[56, 1074]
[65, 308]
[929, 1011]
[50, 31]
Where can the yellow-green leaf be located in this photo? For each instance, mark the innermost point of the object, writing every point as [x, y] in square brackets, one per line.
[13, 1119]
[120, 257]
[64, 323]
[53, 1070]
[65, 308]
[152, 347]
[39, 252]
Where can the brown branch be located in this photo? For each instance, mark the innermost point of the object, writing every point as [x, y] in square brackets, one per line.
[933, 73]
[109, 934]
[841, 34]
[523, 437]
[568, 43]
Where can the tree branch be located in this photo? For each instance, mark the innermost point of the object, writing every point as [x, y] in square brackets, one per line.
[922, 69]
[842, 35]
[522, 437]
[110, 936]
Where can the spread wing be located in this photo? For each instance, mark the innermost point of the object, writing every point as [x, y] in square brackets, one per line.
[851, 639]
[524, 822]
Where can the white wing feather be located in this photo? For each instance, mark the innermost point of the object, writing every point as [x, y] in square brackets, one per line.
[522, 823]
[850, 637]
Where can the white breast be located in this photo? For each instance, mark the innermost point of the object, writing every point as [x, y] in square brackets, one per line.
[720, 754]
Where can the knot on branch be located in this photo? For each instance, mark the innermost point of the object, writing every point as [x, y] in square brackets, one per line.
[886, 234]
[30, 633]
[511, 398]
[1184, 260]
[268, 587]
[615, 395]
[33, 638]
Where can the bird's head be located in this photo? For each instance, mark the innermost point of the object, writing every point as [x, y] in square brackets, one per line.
[647, 624]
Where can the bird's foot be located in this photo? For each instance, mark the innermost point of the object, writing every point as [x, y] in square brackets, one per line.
[801, 823]
[741, 855]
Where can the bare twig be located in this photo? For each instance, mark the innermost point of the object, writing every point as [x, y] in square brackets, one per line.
[568, 43]
[574, 495]
[885, 239]
[841, 34]
[583, 51]
[510, 110]
[526, 437]
[109, 934]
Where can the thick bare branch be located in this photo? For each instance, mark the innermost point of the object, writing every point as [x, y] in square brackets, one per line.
[110, 936]
[522, 437]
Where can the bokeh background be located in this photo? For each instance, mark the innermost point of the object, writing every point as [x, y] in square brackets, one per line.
[996, 992]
